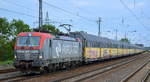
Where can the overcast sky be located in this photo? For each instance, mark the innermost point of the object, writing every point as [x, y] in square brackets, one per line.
[114, 16]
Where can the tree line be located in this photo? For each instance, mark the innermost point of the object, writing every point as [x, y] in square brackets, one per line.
[9, 30]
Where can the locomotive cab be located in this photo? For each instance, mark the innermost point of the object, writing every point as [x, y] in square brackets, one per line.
[31, 50]
[30, 42]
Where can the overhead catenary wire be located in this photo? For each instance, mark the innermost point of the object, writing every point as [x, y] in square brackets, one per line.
[134, 15]
[21, 13]
[66, 11]
[137, 18]
[15, 12]
[70, 13]
[19, 5]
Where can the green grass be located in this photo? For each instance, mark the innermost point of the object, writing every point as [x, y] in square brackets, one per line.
[6, 62]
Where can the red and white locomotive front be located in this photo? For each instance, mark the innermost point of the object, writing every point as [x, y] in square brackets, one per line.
[28, 49]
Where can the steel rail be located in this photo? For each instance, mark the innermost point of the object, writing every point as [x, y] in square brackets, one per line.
[7, 70]
[92, 73]
[144, 79]
[133, 73]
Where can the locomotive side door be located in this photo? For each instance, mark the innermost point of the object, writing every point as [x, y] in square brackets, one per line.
[50, 48]
[56, 50]
[46, 49]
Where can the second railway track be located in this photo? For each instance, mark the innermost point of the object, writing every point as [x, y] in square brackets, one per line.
[92, 73]
[136, 71]
[146, 76]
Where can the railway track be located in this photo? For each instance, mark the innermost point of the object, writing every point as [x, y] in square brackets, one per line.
[20, 78]
[92, 73]
[77, 77]
[13, 77]
[10, 75]
[7, 70]
[147, 75]
[134, 72]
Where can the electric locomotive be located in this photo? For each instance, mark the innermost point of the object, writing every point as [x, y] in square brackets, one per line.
[36, 52]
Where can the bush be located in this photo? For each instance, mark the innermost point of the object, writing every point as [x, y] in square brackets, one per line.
[7, 51]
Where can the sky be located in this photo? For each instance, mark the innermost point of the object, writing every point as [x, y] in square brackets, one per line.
[132, 20]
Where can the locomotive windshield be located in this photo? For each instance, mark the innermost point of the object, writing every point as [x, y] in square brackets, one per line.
[28, 41]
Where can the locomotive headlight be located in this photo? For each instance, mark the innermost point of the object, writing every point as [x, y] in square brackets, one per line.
[40, 57]
[15, 56]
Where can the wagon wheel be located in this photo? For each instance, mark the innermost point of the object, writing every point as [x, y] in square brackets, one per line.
[51, 68]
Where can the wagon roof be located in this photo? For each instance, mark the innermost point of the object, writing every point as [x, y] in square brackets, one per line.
[90, 37]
